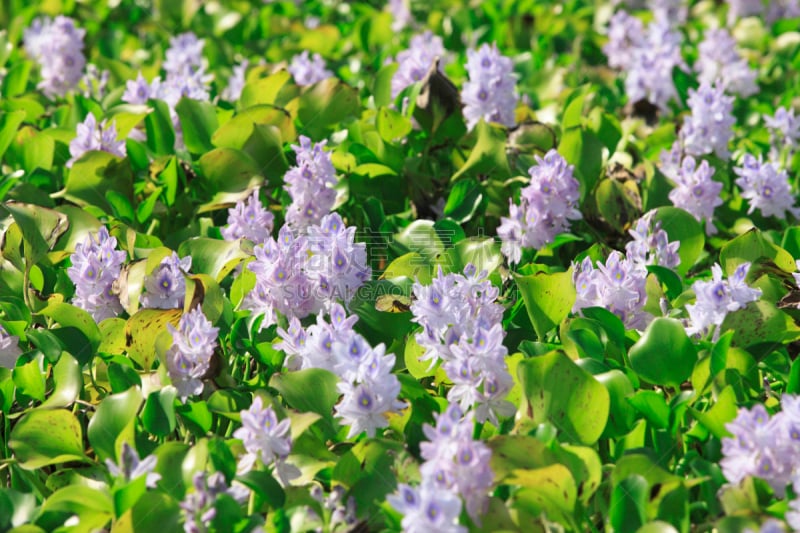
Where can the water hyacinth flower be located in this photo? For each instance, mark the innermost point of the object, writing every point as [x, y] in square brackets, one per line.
[310, 184]
[364, 405]
[456, 462]
[784, 130]
[9, 349]
[93, 136]
[401, 14]
[618, 285]
[766, 447]
[131, 467]
[646, 55]
[96, 264]
[651, 245]
[744, 8]
[250, 220]
[719, 62]
[696, 192]
[491, 92]
[58, 47]
[709, 128]
[236, 82]
[717, 297]
[766, 187]
[427, 508]
[139, 91]
[189, 358]
[414, 63]
[461, 327]
[185, 54]
[266, 440]
[197, 508]
[547, 207]
[96, 82]
[165, 287]
[308, 70]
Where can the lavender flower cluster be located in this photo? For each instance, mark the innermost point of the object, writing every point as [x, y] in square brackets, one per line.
[308, 70]
[717, 297]
[249, 219]
[720, 63]
[415, 62]
[646, 55]
[265, 440]
[367, 384]
[96, 264]
[773, 11]
[461, 326]
[766, 187]
[310, 184]
[198, 509]
[303, 274]
[784, 128]
[651, 244]
[547, 205]
[165, 287]
[58, 47]
[189, 358]
[709, 127]
[766, 447]
[491, 91]
[93, 136]
[695, 191]
[618, 285]
[456, 467]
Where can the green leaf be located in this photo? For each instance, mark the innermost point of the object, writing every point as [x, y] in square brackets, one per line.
[229, 170]
[664, 354]
[548, 298]
[464, 199]
[71, 316]
[158, 126]
[621, 415]
[198, 123]
[94, 175]
[29, 379]
[392, 124]
[488, 157]
[550, 490]
[296, 387]
[212, 256]
[265, 487]
[114, 423]
[749, 248]
[68, 381]
[760, 322]
[723, 411]
[41, 228]
[573, 109]
[559, 391]
[628, 508]
[154, 511]
[46, 437]
[9, 124]
[264, 90]
[653, 406]
[583, 149]
[324, 105]
[158, 416]
[143, 329]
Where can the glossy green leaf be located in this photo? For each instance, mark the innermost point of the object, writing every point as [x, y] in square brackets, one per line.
[46, 437]
[68, 383]
[158, 416]
[214, 257]
[664, 355]
[559, 391]
[198, 124]
[548, 298]
[114, 422]
[94, 175]
[295, 387]
[628, 504]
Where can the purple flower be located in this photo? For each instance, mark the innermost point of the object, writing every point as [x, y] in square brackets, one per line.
[189, 358]
[236, 82]
[696, 192]
[648, 57]
[618, 285]
[709, 128]
[185, 54]
[766, 187]
[248, 219]
[401, 14]
[491, 92]
[265, 439]
[93, 136]
[165, 287]
[744, 8]
[720, 62]
[454, 461]
[96, 82]
[717, 297]
[547, 205]
[650, 244]
[197, 508]
[131, 467]
[427, 508]
[9, 349]
[415, 62]
[310, 184]
[139, 91]
[58, 47]
[95, 266]
[784, 129]
[308, 70]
